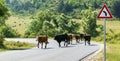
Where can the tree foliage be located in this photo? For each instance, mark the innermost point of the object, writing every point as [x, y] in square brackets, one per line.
[89, 22]
[5, 31]
[62, 6]
[3, 16]
[51, 17]
[49, 23]
[116, 8]
[68, 7]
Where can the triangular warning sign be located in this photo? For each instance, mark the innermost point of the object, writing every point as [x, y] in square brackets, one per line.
[104, 13]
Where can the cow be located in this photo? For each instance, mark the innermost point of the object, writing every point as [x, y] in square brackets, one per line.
[77, 37]
[41, 40]
[81, 37]
[62, 37]
[87, 39]
[70, 38]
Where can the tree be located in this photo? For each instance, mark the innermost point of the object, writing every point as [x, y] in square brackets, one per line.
[66, 25]
[5, 31]
[116, 8]
[41, 22]
[64, 7]
[51, 23]
[4, 13]
[89, 22]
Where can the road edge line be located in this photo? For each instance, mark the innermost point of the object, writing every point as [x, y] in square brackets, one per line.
[91, 55]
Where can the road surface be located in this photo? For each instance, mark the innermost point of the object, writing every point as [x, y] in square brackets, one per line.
[73, 52]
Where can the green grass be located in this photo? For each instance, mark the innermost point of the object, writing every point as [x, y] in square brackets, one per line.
[113, 39]
[3, 49]
[111, 26]
[12, 45]
[113, 52]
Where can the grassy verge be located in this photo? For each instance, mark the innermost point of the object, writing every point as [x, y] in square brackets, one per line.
[113, 49]
[113, 41]
[113, 52]
[12, 45]
[98, 57]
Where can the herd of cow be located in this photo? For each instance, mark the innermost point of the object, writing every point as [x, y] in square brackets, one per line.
[66, 38]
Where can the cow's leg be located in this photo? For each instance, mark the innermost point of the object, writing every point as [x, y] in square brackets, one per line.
[89, 42]
[45, 45]
[38, 45]
[64, 43]
[42, 45]
[71, 41]
[68, 42]
[81, 39]
[76, 41]
[85, 42]
[59, 44]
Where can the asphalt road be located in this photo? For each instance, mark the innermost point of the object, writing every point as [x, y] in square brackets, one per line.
[73, 52]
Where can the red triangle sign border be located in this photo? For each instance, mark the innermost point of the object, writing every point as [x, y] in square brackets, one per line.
[107, 11]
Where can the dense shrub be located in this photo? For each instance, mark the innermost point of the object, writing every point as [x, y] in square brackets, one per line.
[8, 32]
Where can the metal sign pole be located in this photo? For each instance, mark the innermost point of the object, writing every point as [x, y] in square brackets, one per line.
[104, 13]
[104, 39]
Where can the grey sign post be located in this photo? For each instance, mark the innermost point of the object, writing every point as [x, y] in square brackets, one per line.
[104, 39]
[104, 13]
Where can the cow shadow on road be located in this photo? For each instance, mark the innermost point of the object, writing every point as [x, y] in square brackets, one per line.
[74, 44]
[67, 46]
[47, 48]
[93, 44]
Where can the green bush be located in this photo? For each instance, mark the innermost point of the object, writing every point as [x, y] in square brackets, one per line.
[8, 32]
[110, 38]
[1, 41]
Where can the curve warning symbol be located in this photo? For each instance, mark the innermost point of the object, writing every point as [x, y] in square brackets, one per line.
[104, 13]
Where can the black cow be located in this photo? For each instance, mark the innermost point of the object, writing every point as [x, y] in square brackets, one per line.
[87, 39]
[62, 37]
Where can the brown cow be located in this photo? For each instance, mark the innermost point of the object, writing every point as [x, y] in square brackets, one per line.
[70, 38]
[81, 37]
[41, 40]
[77, 37]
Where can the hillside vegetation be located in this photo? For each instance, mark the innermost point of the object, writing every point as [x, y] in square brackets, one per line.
[51, 14]
[69, 7]
[19, 24]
